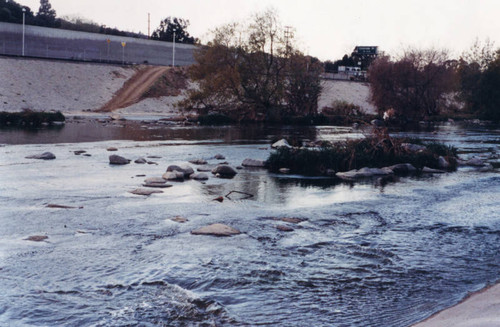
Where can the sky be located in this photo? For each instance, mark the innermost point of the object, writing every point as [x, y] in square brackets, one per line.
[326, 29]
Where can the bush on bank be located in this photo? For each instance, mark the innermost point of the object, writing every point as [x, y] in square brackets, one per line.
[29, 118]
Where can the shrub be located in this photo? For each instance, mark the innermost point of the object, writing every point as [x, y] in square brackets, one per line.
[375, 151]
[29, 118]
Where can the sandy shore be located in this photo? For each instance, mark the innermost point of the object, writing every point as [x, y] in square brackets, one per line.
[81, 88]
[481, 309]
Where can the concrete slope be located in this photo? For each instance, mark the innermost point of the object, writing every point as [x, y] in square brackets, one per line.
[134, 88]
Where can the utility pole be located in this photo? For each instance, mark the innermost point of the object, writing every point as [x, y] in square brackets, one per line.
[173, 51]
[288, 36]
[149, 25]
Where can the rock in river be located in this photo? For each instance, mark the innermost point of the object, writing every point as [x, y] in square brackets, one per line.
[253, 163]
[281, 143]
[140, 161]
[185, 169]
[216, 230]
[224, 171]
[173, 176]
[199, 176]
[476, 162]
[43, 156]
[427, 170]
[198, 162]
[403, 168]
[364, 173]
[144, 191]
[36, 238]
[118, 160]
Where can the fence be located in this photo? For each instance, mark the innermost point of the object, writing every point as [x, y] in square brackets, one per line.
[53, 43]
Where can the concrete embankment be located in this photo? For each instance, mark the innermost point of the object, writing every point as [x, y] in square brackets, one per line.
[52, 43]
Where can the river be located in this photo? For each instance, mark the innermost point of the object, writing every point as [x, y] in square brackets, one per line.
[364, 254]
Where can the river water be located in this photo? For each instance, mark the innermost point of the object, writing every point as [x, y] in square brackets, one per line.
[365, 254]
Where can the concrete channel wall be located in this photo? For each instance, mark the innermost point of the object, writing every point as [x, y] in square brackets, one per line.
[54, 43]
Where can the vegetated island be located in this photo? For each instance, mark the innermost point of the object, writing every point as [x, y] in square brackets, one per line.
[376, 155]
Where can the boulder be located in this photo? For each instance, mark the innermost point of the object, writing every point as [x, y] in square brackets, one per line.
[173, 175]
[476, 162]
[443, 163]
[198, 162]
[486, 168]
[410, 147]
[284, 170]
[216, 230]
[204, 169]
[158, 180]
[185, 169]
[140, 161]
[157, 185]
[79, 152]
[199, 176]
[112, 149]
[253, 163]
[179, 219]
[118, 160]
[402, 168]
[364, 173]
[43, 156]
[144, 191]
[36, 238]
[284, 228]
[427, 170]
[281, 143]
[219, 157]
[224, 171]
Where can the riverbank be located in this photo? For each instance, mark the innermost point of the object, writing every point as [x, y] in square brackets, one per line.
[481, 308]
[82, 88]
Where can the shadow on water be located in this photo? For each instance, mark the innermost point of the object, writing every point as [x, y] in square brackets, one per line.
[77, 131]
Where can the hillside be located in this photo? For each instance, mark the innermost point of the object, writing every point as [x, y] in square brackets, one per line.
[83, 88]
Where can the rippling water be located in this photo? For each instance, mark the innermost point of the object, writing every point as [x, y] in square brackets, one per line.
[364, 254]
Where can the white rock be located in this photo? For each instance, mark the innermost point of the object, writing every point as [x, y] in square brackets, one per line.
[284, 170]
[402, 168]
[428, 170]
[281, 143]
[43, 156]
[475, 162]
[143, 191]
[216, 230]
[364, 173]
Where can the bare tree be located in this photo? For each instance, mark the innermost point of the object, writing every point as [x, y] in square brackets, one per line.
[247, 71]
[414, 85]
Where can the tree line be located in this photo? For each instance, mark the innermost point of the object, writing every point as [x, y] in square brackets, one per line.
[12, 12]
[421, 84]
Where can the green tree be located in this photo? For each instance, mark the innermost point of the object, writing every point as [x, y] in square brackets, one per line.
[12, 12]
[46, 16]
[165, 32]
[252, 72]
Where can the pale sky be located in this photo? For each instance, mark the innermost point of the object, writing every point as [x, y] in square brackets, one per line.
[326, 29]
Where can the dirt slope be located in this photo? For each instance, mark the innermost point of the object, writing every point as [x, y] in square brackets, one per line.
[134, 88]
